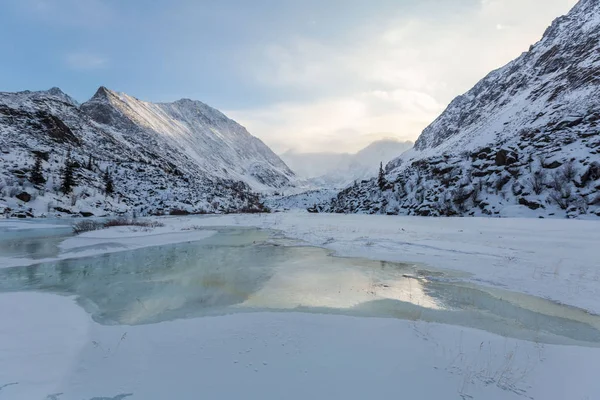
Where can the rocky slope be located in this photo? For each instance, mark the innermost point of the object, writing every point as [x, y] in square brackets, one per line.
[524, 141]
[177, 157]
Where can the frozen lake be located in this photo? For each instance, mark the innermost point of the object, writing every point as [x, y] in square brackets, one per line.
[36, 239]
[248, 270]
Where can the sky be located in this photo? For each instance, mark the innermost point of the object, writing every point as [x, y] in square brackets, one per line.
[308, 76]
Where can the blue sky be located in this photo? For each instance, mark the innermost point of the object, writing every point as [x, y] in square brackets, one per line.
[311, 75]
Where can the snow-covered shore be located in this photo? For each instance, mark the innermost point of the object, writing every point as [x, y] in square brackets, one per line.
[57, 352]
[109, 240]
[53, 350]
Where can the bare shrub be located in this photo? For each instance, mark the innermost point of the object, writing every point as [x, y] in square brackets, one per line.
[400, 191]
[10, 180]
[561, 190]
[477, 187]
[129, 222]
[90, 225]
[420, 196]
[13, 191]
[581, 205]
[86, 226]
[559, 182]
[516, 188]
[569, 170]
[501, 182]
[444, 205]
[460, 196]
[418, 175]
[559, 200]
[179, 211]
[537, 182]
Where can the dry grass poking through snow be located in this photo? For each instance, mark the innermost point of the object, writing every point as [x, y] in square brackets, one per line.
[90, 225]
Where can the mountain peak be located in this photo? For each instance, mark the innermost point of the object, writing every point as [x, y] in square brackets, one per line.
[56, 91]
[102, 94]
[195, 107]
[202, 136]
[189, 103]
[564, 61]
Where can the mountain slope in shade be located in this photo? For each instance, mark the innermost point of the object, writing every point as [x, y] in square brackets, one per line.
[338, 170]
[163, 157]
[524, 141]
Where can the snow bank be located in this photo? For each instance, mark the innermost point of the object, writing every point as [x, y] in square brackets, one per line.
[41, 337]
[134, 237]
[114, 239]
[56, 349]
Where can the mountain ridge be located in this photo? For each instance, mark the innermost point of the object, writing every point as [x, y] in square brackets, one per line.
[182, 156]
[523, 141]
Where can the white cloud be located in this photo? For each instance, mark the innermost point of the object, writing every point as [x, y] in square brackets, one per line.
[341, 124]
[85, 61]
[396, 78]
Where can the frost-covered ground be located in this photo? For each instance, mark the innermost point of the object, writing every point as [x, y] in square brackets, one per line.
[56, 351]
[52, 349]
[300, 201]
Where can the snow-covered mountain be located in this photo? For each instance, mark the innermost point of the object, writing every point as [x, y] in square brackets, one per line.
[190, 132]
[183, 156]
[338, 170]
[524, 140]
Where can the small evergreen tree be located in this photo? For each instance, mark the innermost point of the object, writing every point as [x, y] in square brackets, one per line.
[90, 163]
[68, 181]
[36, 177]
[381, 181]
[108, 183]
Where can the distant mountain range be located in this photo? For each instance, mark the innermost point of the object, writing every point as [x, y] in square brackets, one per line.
[338, 170]
[170, 157]
[524, 141]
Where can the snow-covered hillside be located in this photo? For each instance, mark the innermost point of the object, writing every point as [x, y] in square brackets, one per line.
[338, 170]
[189, 131]
[524, 141]
[307, 199]
[161, 158]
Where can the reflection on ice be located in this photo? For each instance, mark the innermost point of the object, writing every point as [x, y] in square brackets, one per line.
[234, 268]
[316, 280]
[244, 270]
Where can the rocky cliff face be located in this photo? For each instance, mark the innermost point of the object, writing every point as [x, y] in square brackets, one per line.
[524, 140]
[182, 157]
